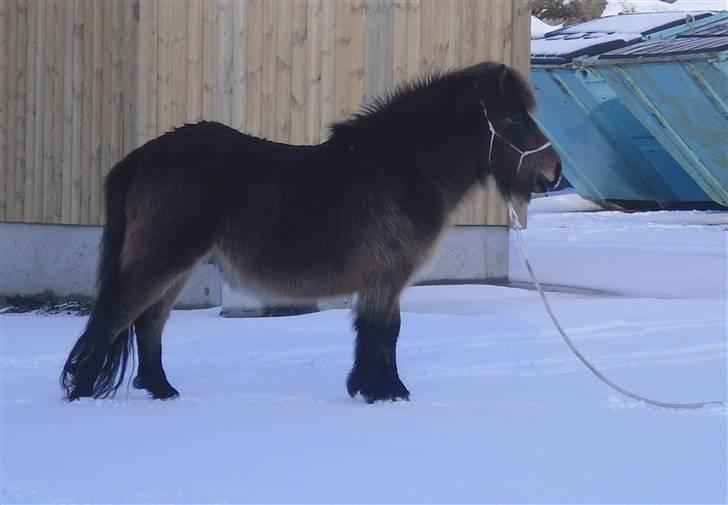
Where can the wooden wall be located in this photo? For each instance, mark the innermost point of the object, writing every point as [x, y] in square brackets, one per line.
[84, 82]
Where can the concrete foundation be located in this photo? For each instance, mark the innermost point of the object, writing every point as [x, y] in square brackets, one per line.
[61, 259]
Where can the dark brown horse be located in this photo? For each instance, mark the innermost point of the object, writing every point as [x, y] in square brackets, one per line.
[358, 213]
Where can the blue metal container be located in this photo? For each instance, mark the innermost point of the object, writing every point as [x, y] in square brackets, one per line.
[678, 89]
[607, 153]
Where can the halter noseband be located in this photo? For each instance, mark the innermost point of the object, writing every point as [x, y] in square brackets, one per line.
[494, 134]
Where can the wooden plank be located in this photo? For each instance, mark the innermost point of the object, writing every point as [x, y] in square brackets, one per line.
[342, 56]
[86, 155]
[284, 51]
[239, 50]
[105, 81]
[455, 39]
[29, 111]
[40, 113]
[164, 65]
[413, 38]
[11, 101]
[328, 41]
[356, 54]
[130, 69]
[521, 45]
[77, 90]
[254, 62]
[193, 55]
[5, 8]
[313, 81]
[146, 94]
[20, 109]
[399, 41]
[441, 32]
[299, 41]
[51, 14]
[427, 36]
[378, 31]
[268, 78]
[209, 60]
[224, 61]
[115, 117]
[178, 56]
[97, 91]
[67, 124]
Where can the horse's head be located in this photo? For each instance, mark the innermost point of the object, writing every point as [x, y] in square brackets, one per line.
[519, 156]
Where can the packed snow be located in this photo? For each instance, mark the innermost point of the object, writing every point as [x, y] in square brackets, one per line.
[540, 28]
[501, 411]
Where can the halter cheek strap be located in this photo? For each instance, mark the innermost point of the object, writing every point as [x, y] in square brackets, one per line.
[494, 134]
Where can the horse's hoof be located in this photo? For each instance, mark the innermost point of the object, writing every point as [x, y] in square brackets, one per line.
[78, 393]
[158, 390]
[374, 388]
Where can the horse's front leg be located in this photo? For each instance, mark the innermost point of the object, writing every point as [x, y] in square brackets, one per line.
[374, 374]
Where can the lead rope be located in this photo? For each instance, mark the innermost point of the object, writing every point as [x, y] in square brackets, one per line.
[517, 227]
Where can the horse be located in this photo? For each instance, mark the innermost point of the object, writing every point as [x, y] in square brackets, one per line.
[357, 213]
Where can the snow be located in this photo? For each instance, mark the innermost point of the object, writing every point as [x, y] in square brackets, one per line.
[566, 47]
[540, 28]
[500, 411]
[627, 23]
[631, 6]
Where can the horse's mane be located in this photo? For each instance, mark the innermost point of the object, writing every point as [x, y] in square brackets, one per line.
[436, 96]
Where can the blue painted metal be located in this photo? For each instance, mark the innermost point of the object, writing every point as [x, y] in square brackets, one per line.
[679, 92]
[608, 151]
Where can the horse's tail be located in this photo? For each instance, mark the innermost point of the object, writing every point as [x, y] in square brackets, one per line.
[95, 368]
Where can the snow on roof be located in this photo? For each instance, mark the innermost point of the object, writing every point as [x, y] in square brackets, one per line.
[628, 23]
[633, 6]
[540, 28]
[568, 48]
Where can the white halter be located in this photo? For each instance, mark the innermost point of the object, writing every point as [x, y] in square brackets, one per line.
[494, 134]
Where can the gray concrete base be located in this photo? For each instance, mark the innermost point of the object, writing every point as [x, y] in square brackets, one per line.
[62, 259]
[466, 254]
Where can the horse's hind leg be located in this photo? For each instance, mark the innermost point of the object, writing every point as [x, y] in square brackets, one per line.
[377, 323]
[148, 328]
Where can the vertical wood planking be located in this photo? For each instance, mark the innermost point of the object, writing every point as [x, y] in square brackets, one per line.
[209, 59]
[8, 154]
[328, 68]
[92, 80]
[106, 97]
[254, 65]
[178, 57]
[399, 41]
[356, 54]
[239, 80]
[342, 55]
[49, 70]
[67, 125]
[313, 84]
[193, 55]
[164, 65]
[146, 117]
[224, 61]
[96, 102]
[130, 71]
[4, 49]
[282, 71]
[78, 95]
[29, 109]
[413, 38]
[299, 41]
[20, 111]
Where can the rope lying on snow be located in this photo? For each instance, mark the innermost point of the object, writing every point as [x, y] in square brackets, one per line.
[517, 227]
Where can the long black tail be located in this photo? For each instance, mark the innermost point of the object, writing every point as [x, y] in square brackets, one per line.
[96, 366]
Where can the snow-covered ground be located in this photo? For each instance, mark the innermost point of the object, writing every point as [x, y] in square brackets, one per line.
[500, 411]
